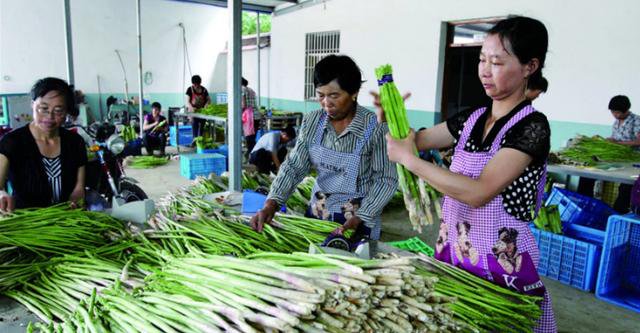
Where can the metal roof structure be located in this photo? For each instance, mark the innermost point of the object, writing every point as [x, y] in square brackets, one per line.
[264, 6]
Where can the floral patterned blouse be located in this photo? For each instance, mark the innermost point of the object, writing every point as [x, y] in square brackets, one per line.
[628, 130]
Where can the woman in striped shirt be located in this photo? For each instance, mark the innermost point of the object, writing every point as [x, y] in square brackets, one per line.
[346, 146]
[43, 162]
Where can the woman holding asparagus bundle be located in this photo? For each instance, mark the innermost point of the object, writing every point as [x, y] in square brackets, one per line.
[497, 175]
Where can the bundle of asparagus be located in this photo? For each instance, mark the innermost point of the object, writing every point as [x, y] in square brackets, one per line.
[548, 219]
[419, 197]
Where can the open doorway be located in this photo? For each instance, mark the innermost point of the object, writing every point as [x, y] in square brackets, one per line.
[461, 88]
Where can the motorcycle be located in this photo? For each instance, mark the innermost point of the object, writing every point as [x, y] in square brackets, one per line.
[106, 179]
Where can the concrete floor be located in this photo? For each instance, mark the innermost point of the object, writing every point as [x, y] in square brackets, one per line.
[576, 311]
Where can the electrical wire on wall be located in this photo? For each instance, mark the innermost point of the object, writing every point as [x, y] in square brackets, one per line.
[186, 63]
[124, 74]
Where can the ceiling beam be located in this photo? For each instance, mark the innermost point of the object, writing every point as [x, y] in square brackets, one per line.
[298, 6]
[223, 3]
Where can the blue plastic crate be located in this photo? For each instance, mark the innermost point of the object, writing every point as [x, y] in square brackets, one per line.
[576, 231]
[579, 211]
[185, 135]
[192, 165]
[253, 201]
[619, 276]
[571, 261]
[222, 150]
[133, 148]
[206, 151]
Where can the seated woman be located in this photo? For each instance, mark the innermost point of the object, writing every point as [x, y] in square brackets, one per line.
[155, 130]
[44, 162]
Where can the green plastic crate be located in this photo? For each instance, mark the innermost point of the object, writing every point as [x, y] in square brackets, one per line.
[414, 244]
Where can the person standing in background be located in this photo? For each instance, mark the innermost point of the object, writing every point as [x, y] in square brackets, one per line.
[197, 98]
[249, 107]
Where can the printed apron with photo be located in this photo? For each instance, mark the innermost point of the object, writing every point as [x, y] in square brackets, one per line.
[488, 241]
[335, 195]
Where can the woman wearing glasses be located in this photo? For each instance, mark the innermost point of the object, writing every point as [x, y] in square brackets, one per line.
[44, 163]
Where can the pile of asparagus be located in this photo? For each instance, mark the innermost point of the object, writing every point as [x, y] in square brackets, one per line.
[268, 292]
[483, 305]
[589, 151]
[146, 162]
[218, 234]
[296, 204]
[419, 197]
[142, 282]
[30, 237]
[218, 110]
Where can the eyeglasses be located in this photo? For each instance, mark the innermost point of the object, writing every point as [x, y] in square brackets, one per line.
[45, 111]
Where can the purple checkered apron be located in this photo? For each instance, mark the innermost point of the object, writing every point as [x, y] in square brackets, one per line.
[488, 241]
[338, 179]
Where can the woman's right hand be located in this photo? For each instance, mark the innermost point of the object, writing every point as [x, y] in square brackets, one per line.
[7, 204]
[264, 215]
[378, 105]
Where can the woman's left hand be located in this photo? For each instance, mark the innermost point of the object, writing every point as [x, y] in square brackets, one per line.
[351, 223]
[399, 150]
[76, 199]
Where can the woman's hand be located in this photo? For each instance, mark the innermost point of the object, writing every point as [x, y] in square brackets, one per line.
[378, 105]
[76, 198]
[7, 204]
[264, 215]
[352, 223]
[400, 150]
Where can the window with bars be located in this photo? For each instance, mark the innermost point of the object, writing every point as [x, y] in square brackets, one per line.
[318, 45]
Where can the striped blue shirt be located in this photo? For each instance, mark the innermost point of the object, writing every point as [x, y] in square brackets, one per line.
[376, 176]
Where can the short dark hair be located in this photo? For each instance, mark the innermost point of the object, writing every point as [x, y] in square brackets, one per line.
[339, 67]
[538, 83]
[290, 132]
[196, 79]
[245, 82]
[49, 84]
[620, 103]
[156, 105]
[528, 38]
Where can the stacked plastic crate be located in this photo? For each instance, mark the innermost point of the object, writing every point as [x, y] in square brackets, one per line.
[184, 135]
[573, 258]
[619, 275]
[193, 165]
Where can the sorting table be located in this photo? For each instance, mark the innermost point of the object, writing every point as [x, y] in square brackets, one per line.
[624, 173]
